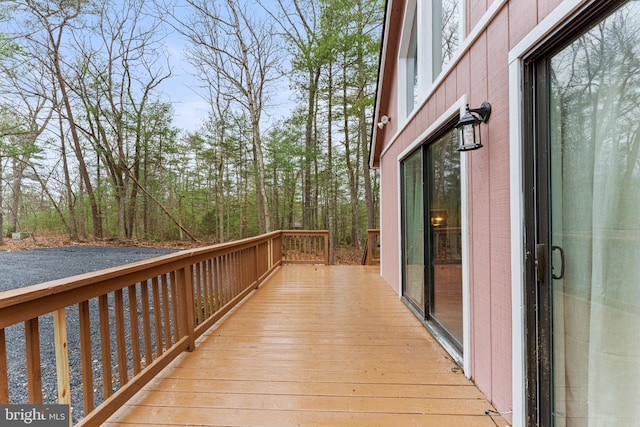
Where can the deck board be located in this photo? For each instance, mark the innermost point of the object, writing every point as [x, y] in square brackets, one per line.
[313, 346]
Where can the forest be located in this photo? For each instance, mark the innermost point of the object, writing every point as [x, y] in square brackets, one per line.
[91, 145]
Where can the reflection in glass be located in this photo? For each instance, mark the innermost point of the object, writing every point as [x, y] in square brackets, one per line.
[446, 26]
[446, 236]
[595, 195]
[413, 230]
[450, 28]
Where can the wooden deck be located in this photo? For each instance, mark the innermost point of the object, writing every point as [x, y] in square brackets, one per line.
[314, 345]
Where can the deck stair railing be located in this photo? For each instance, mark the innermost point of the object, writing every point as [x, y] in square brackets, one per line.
[371, 255]
[130, 321]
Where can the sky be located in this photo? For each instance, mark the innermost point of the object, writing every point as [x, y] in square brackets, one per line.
[183, 92]
[191, 109]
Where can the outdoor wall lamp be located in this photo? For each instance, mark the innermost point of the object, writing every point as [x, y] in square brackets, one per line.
[383, 121]
[469, 127]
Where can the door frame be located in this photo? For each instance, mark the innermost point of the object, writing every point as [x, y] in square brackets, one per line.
[455, 110]
[424, 313]
[531, 368]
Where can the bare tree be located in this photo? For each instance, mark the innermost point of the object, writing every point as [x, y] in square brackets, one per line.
[54, 19]
[117, 79]
[31, 110]
[242, 50]
[299, 20]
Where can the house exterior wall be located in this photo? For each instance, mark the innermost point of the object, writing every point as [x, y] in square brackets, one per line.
[480, 72]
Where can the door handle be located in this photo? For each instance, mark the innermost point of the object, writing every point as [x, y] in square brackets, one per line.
[561, 252]
[541, 263]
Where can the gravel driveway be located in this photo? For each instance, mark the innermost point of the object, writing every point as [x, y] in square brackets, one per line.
[24, 268]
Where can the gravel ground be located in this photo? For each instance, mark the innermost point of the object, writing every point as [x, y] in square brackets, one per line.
[24, 268]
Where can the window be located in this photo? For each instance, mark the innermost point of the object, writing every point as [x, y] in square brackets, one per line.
[408, 63]
[431, 37]
[446, 17]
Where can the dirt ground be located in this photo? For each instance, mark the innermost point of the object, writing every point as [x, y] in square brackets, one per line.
[57, 241]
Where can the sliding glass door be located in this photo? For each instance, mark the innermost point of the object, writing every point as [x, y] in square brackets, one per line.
[413, 230]
[432, 241]
[445, 306]
[588, 227]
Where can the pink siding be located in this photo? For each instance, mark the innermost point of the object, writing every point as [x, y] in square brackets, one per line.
[475, 10]
[545, 7]
[520, 20]
[479, 228]
[498, 149]
[389, 221]
[481, 74]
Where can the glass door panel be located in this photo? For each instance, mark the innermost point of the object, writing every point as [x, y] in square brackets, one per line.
[445, 238]
[594, 226]
[413, 230]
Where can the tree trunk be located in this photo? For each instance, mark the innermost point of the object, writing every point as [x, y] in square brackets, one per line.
[262, 186]
[314, 77]
[1, 202]
[331, 204]
[220, 186]
[73, 224]
[366, 172]
[352, 170]
[84, 173]
[18, 166]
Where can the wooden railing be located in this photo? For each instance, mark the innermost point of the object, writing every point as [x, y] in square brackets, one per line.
[127, 322]
[447, 245]
[371, 255]
[305, 247]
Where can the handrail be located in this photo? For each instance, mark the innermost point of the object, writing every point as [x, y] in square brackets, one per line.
[135, 319]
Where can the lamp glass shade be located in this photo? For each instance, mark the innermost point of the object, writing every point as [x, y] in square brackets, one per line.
[469, 136]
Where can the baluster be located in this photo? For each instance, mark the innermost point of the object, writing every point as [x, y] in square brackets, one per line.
[146, 322]
[34, 375]
[135, 330]
[198, 296]
[86, 357]
[157, 313]
[105, 340]
[174, 305]
[165, 311]
[205, 285]
[121, 342]
[213, 284]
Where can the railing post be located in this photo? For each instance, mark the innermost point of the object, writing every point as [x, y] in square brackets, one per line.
[326, 248]
[62, 359]
[187, 314]
[278, 247]
[371, 248]
[62, 355]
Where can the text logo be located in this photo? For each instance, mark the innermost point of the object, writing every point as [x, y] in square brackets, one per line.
[34, 415]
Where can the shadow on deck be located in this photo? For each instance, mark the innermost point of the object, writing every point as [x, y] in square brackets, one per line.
[314, 345]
